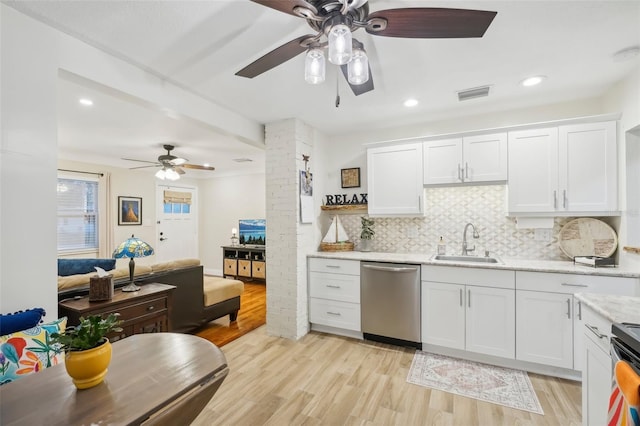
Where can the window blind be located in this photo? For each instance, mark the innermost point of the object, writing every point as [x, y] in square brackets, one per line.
[77, 214]
[177, 197]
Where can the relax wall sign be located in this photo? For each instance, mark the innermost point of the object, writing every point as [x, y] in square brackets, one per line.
[344, 199]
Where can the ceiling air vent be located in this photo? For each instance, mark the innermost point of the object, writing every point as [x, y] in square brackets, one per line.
[476, 92]
[242, 160]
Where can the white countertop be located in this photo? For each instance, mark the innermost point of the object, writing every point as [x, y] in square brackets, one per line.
[614, 308]
[558, 266]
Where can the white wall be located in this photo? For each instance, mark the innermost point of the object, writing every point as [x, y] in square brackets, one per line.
[223, 201]
[27, 165]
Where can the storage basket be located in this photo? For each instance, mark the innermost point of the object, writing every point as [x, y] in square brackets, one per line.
[344, 246]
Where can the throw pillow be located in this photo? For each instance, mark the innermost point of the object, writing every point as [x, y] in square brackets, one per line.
[68, 267]
[29, 351]
[20, 320]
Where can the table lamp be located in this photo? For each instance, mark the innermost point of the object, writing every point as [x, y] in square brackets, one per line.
[132, 247]
[234, 237]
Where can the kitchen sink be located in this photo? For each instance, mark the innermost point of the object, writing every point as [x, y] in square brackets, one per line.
[470, 259]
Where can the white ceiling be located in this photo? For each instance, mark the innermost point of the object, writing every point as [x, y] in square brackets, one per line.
[201, 44]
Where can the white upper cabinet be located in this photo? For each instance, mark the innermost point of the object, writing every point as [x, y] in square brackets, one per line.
[394, 177]
[479, 158]
[568, 169]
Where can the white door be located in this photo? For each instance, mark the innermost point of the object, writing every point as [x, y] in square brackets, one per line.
[533, 170]
[442, 161]
[394, 177]
[545, 328]
[588, 167]
[177, 224]
[443, 314]
[485, 158]
[491, 317]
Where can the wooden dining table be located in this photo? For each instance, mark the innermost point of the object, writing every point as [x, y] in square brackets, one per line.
[155, 379]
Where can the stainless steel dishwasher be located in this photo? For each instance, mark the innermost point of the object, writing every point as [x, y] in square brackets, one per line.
[390, 303]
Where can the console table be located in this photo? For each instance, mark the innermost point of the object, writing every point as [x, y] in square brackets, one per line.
[153, 379]
[244, 262]
[144, 311]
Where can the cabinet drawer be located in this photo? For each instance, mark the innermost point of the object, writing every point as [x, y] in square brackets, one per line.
[596, 327]
[334, 266]
[469, 276]
[244, 268]
[258, 269]
[574, 283]
[345, 288]
[230, 266]
[335, 314]
[147, 307]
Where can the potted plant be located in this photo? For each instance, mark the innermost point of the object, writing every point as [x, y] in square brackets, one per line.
[366, 234]
[87, 348]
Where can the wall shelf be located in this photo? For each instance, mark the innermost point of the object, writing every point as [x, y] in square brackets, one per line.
[345, 207]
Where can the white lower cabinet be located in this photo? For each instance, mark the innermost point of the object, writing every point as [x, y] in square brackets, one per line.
[597, 369]
[334, 293]
[478, 316]
[544, 331]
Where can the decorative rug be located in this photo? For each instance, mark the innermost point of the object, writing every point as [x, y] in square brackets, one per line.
[497, 385]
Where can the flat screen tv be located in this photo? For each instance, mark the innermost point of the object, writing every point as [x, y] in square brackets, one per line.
[253, 232]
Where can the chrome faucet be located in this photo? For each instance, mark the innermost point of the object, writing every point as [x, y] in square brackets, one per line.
[465, 249]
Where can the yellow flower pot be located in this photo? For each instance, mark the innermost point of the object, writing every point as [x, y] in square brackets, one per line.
[88, 368]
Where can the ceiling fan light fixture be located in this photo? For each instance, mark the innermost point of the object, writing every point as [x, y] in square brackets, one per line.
[340, 40]
[314, 66]
[358, 67]
[171, 174]
[160, 174]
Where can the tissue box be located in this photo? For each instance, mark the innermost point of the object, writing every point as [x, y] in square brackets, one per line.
[100, 288]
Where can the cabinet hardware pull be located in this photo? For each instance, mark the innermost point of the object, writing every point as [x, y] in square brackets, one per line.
[333, 286]
[150, 308]
[389, 269]
[469, 298]
[333, 266]
[569, 308]
[466, 170]
[555, 199]
[461, 304]
[574, 285]
[595, 331]
[333, 313]
[580, 310]
[459, 172]
[564, 198]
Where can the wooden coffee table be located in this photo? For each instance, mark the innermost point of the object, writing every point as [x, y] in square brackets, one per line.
[159, 378]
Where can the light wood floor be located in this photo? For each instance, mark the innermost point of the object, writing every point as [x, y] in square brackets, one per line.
[329, 380]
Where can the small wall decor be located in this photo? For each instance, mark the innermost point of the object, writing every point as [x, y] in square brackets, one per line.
[129, 211]
[350, 177]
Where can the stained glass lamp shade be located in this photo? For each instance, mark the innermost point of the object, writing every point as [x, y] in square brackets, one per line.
[132, 247]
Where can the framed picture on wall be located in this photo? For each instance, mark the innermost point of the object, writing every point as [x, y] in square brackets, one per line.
[129, 211]
[350, 178]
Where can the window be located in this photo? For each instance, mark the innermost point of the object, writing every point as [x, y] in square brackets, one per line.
[77, 214]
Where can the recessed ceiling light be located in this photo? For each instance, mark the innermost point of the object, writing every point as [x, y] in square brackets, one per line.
[410, 103]
[532, 81]
[85, 101]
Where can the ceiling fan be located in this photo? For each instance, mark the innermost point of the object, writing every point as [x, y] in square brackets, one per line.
[172, 166]
[335, 20]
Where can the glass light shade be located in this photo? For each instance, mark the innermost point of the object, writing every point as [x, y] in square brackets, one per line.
[314, 66]
[358, 68]
[340, 48]
[171, 174]
[132, 247]
[160, 174]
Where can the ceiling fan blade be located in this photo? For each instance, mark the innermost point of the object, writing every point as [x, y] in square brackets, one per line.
[179, 170]
[140, 161]
[358, 89]
[276, 57]
[144, 167]
[431, 22]
[287, 6]
[197, 167]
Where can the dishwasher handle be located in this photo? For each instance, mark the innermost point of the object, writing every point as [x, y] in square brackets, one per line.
[390, 268]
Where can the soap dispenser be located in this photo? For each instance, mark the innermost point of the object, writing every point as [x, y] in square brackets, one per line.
[442, 247]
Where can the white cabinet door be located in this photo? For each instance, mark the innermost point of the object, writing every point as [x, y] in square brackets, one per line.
[443, 161]
[588, 172]
[596, 384]
[544, 332]
[533, 170]
[395, 178]
[484, 158]
[443, 313]
[490, 321]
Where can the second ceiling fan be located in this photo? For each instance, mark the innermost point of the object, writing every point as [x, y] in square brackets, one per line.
[335, 20]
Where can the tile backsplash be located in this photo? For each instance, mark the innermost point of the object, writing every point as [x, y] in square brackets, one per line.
[449, 209]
